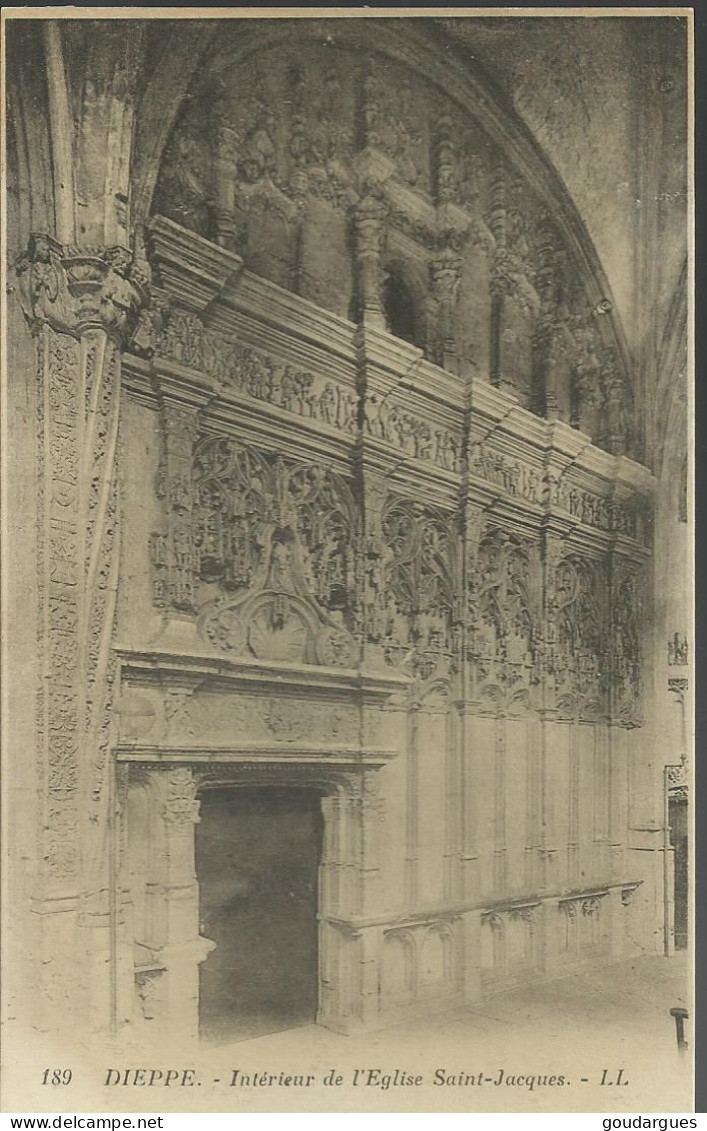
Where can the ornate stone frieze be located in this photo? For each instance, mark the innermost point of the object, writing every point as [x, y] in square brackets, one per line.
[244, 369]
[515, 478]
[551, 488]
[414, 436]
[220, 718]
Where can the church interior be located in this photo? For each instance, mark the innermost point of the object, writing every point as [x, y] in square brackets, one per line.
[348, 484]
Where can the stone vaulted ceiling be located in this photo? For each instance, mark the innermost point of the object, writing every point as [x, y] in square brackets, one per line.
[606, 99]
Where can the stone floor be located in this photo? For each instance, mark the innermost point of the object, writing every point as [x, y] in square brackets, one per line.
[575, 1028]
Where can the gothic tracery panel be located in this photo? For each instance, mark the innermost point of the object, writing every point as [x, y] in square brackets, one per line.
[418, 588]
[579, 631]
[274, 552]
[504, 599]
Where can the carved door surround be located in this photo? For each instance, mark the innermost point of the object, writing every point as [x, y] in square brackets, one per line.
[269, 714]
[352, 810]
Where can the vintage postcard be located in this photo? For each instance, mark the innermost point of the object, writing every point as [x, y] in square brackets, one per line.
[347, 535]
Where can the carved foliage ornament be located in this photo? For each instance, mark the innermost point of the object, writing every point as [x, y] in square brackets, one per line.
[181, 809]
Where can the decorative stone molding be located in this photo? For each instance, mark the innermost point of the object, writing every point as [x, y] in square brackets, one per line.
[192, 269]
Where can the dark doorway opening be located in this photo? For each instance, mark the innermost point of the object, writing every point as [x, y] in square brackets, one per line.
[677, 818]
[400, 309]
[257, 861]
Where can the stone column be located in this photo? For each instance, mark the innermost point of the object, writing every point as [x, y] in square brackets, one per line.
[372, 492]
[82, 303]
[471, 759]
[368, 227]
[616, 426]
[225, 149]
[552, 550]
[446, 276]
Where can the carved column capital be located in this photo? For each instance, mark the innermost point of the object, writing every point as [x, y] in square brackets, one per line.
[75, 289]
[181, 808]
[446, 274]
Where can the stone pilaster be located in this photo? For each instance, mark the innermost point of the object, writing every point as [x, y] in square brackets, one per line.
[82, 304]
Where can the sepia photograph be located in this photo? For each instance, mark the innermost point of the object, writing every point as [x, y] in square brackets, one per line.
[347, 536]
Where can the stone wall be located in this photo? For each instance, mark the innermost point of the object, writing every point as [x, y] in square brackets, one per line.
[348, 569]
[279, 543]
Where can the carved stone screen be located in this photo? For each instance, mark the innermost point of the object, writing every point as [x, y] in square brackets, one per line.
[356, 454]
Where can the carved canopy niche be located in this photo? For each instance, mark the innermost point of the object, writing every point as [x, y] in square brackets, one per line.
[338, 161]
